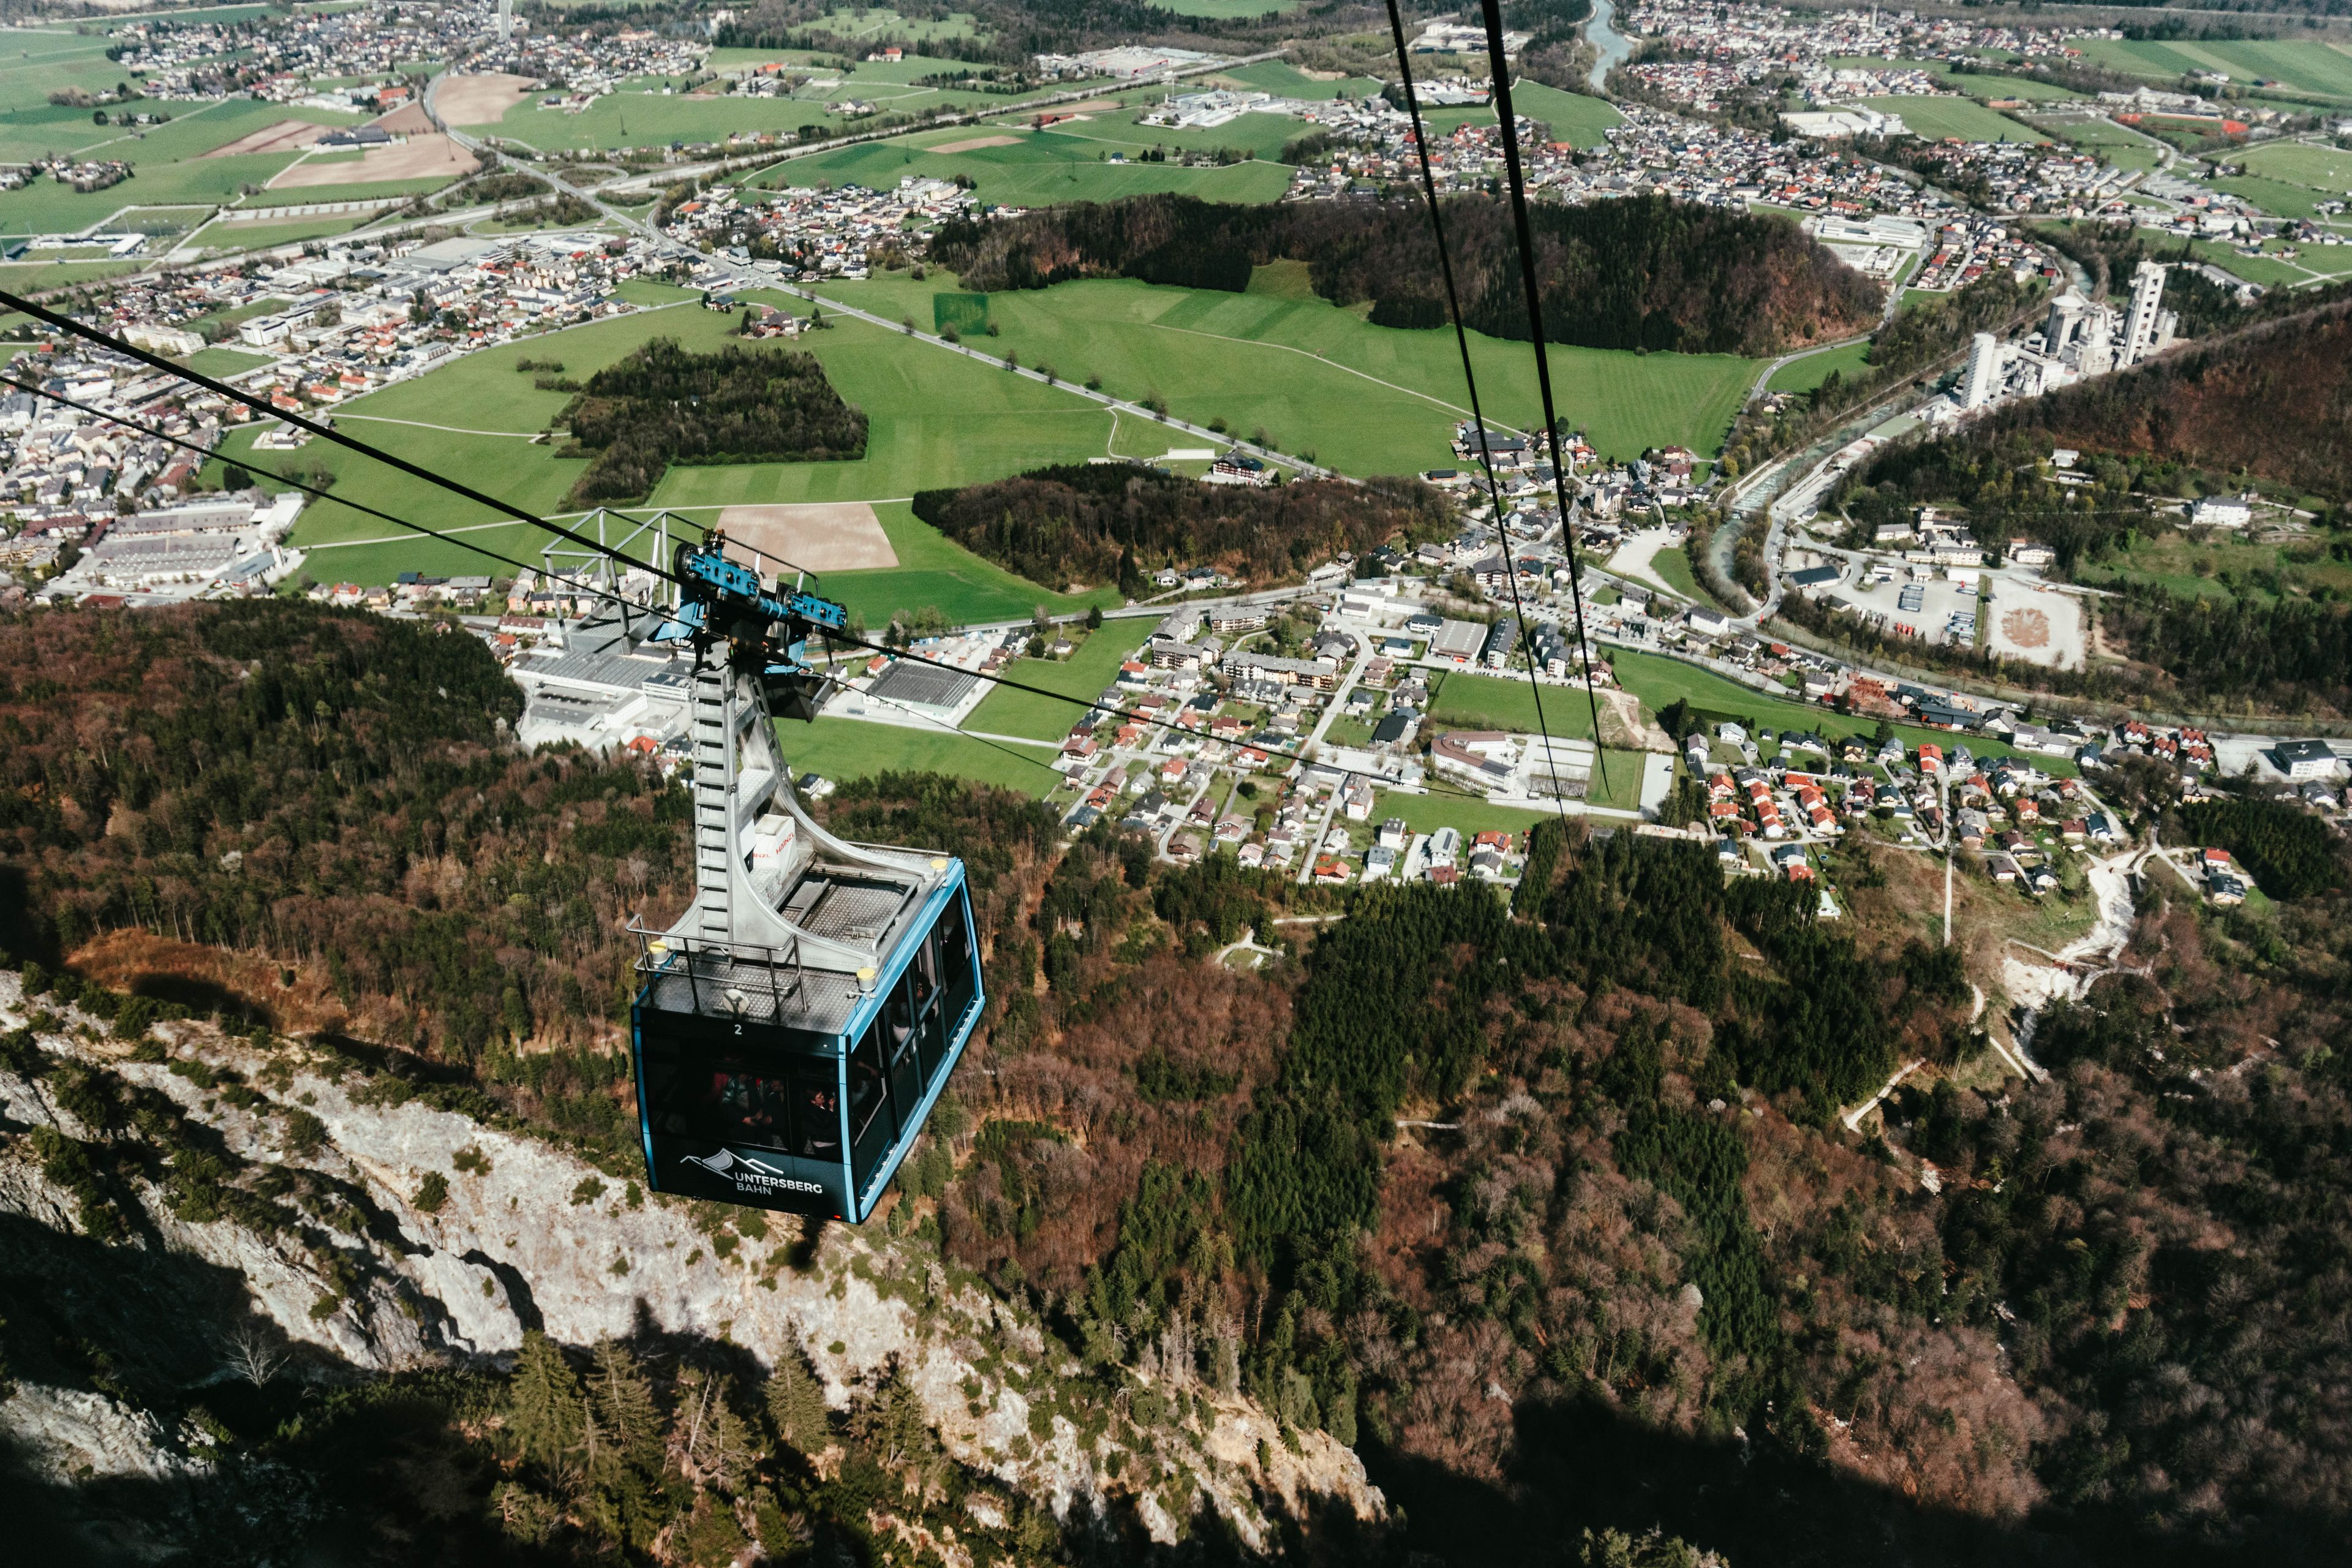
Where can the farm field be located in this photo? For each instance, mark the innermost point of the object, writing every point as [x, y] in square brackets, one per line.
[1037, 169]
[640, 114]
[1806, 373]
[170, 167]
[1496, 702]
[2309, 66]
[855, 748]
[1226, 9]
[936, 419]
[936, 572]
[2326, 169]
[259, 236]
[1962, 117]
[1363, 399]
[1082, 676]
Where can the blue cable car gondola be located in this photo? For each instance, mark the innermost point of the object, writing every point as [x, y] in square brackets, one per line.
[794, 1029]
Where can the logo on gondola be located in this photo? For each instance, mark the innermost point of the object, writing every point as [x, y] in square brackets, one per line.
[750, 1174]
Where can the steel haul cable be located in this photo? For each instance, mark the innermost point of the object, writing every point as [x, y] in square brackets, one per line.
[1478, 419]
[77, 329]
[222, 389]
[1509, 126]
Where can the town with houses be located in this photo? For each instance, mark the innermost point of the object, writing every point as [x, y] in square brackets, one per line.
[1293, 727]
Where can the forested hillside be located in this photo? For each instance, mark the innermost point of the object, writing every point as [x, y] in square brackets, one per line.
[1105, 522]
[2273, 400]
[2269, 404]
[335, 790]
[1545, 1208]
[665, 405]
[1641, 273]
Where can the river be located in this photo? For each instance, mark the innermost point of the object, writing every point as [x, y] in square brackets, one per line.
[1612, 48]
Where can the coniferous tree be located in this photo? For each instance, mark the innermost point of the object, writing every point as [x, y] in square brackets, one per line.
[796, 1403]
[623, 1400]
[892, 1425]
[545, 1412]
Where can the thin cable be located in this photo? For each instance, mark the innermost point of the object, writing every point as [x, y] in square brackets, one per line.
[222, 389]
[959, 734]
[1478, 415]
[183, 372]
[320, 492]
[1510, 128]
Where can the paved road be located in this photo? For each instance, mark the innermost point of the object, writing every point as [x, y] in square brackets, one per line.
[671, 173]
[734, 275]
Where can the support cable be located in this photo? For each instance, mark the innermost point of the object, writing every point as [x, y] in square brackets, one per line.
[1501, 68]
[1478, 413]
[222, 389]
[76, 329]
[321, 493]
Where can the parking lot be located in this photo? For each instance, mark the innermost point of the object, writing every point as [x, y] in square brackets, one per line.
[1923, 610]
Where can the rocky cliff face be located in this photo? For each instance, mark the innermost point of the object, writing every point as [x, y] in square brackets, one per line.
[515, 1234]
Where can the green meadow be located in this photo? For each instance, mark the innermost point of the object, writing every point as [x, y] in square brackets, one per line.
[2312, 67]
[1363, 399]
[2290, 178]
[1496, 702]
[640, 113]
[1806, 373]
[1082, 677]
[934, 419]
[1228, 9]
[261, 236]
[1039, 168]
[169, 166]
[845, 749]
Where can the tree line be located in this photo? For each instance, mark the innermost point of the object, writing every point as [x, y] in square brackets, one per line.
[1110, 522]
[1644, 273]
[665, 405]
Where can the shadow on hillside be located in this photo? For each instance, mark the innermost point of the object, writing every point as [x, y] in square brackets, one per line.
[389, 1480]
[1583, 1464]
[20, 935]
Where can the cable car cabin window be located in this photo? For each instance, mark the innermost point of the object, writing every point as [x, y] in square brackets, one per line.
[904, 1014]
[937, 1020]
[956, 960]
[816, 1118]
[870, 1129]
[724, 1102]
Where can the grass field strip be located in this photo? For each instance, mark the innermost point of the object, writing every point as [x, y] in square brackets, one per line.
[551, 517]
[133, 136]
[1335, 364]
[452, 429]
